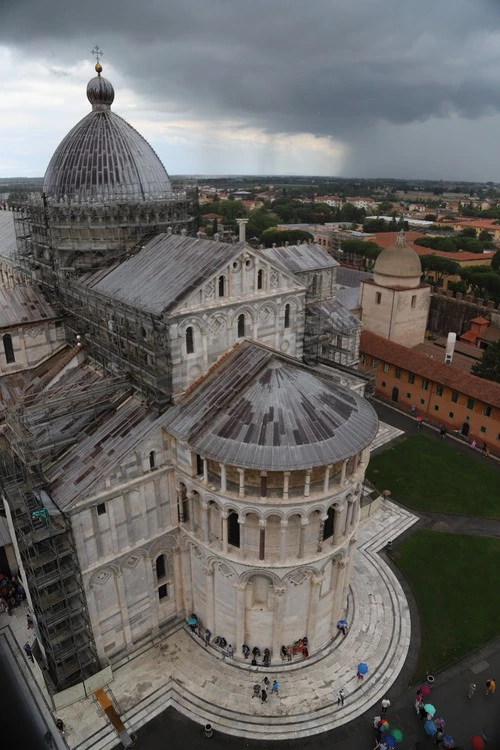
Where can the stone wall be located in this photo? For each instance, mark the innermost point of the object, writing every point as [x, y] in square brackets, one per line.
[449, 312]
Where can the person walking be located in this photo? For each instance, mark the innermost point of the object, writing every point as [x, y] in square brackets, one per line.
[359, 675]
[386, 703]
[491, 686]
[229, 652]
[340, 698]
[289, 653]
[256, 690]
[29, 653]
[263, 695]
[266, 682]
[208, 635]
[246, 650]
[275, 688]
[29, 622]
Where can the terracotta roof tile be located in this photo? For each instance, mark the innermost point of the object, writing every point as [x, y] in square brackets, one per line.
[408, 359]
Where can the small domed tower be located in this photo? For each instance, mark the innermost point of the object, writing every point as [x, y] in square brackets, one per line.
[104, 190]
[395, 304]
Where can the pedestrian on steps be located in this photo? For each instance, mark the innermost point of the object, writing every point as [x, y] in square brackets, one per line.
[340, 698]
[386, 704]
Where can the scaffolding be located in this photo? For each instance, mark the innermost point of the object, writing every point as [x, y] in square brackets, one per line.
[41, 425]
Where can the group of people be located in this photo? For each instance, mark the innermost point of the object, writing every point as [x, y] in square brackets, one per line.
[261, 692]
[297, 648]
[12, 593]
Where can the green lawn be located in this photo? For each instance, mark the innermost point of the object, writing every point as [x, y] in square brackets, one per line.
[455, 579]
[432, 475]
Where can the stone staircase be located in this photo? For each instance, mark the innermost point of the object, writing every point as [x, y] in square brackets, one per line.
[209, 688]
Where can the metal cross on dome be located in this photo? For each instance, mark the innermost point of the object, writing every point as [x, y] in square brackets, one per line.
[97, 52]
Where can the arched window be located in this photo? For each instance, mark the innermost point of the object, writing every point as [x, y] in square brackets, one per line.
[233, 529]
[161, 568]
[287, 316]
[328, 527]
[241, 325]
[190, 339]
[152, 459]
[8, 348]
[222, 286]
[260, 278]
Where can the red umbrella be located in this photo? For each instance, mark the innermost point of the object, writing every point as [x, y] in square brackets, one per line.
[477, 742]
[425, 689]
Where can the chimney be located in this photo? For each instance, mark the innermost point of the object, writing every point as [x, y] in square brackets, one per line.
[243, 230]
[450, 348]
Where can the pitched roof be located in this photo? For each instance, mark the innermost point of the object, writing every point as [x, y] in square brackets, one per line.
[165, 271]
[260, 409]
[7, 234]
[296, 258]
[332, 315]
[23, 305]
[420, 364]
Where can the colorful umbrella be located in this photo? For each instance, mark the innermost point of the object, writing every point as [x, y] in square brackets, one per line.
[430, 709]
[342, 624]
[439, 722]
[425, 689]
[383, 725]
[389, 740]
[397, 734]
[448, 741]
[362, 668]
[430, 728]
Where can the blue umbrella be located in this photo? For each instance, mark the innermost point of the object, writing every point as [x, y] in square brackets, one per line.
[389, 740]
[342, 624]
[430, 728]
[192, 620]
[362, 668]
[448, 741]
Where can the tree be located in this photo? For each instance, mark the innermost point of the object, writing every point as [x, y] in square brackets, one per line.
[489, 366]
[259, 221]
[495, 261]
[273, 236]
[215, 226]
[485, 236]
[439, 267]
[430, 217]
[468, 232]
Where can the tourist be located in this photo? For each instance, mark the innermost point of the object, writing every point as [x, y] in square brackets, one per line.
[229, 652]
[60, 725]
[263, 695]
[419, 423]
[305, 652]
[386, 703]
[442, 431]
[208, 635]
[29, 653]
[29, 622]
[491, 686]
[359, 675]
[275, 688]
[266, 682]
[246, 650]
[266, 659]
[255, 652]
[486, 452]
[256, 690]
[340, 698]
[473, 444]
[283, 653]
[289, 653]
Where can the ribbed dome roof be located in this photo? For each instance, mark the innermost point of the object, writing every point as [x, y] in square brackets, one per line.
[104, 159]
[398, 260]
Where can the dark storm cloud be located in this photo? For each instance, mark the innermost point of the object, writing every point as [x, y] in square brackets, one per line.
[327, 67]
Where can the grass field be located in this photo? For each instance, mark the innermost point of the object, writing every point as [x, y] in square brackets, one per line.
[455, 579]
[432, 475]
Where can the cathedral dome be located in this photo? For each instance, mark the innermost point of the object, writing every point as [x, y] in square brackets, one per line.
[398, 265]
[104, 159]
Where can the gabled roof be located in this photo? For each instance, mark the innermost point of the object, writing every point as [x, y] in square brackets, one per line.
[332, 315]
[167, 269]
[23, 305]
[259, 409]
[447, 375]
[297, 258]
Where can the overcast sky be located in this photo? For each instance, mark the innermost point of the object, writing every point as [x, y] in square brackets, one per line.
[373, 88]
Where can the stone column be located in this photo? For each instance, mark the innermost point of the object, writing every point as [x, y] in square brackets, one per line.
[242, 229]
[352, 551]
[204, 515]
[191, 513]
[283, 539]
[122, 604]
[241, 492]
[303, 523]
[205, 471]
[210, 601]
[240, 616]
[337, 524]
[262, 538]
[322, 521]
[178, 587]
[153, 595]
[223, 478]
[338, 593]
[286, 480]
[307, 484]
[186, 579]
[343, 472]
[315, 590]
[224, 533]
[279, 609]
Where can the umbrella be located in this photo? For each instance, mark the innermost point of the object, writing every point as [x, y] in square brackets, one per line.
[342, 624]
[389, 740]
[397, 734]
[430, 728]
[425, 689]
[448, 741]
[430, 709]
[192, 620]
[477, 742]
[383, 725]
[439, 722]
[362, 668]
